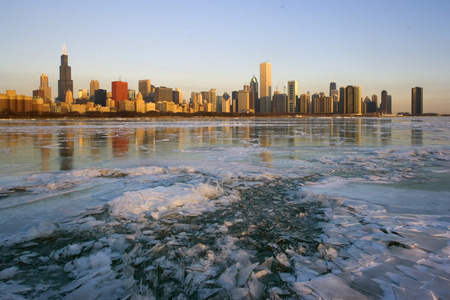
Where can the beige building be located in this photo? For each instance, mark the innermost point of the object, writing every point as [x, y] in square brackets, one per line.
[243, 104]
[126, 105]
[323, 105]
[304, 101]
[94, 85]
[265, 87]
[145, 87]
[80, 108]
[150, 107]
[47, 90]
[69, 97]
[140, 104]
[110, 103]
[213, 99]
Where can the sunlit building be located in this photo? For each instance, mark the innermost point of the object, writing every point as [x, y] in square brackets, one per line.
[65, 82]
[212, 99]
[44, 87]
[243, 103]
[163, 94]
[145, 88]
[119, 91]
[292, 95]
[226, 102]
[93, 86]
[265, 93]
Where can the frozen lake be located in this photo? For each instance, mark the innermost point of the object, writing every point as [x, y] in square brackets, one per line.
[356, 208]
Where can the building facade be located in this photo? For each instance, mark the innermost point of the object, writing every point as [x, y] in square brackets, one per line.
[145, 88]
[417, 101]
[65, 82]
[93, 86]
[292, 95]
[163, 94]
[384, 104]
[47, 90]
[119, 91]
[265, 92]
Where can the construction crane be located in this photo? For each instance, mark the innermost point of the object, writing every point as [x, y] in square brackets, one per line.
[284, 87]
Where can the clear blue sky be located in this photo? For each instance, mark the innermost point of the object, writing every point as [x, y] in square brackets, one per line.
[199, 45]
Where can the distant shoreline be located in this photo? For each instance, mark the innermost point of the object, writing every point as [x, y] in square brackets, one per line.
[198, 115]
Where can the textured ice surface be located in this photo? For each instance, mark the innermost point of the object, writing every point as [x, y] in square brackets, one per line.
[225, 209]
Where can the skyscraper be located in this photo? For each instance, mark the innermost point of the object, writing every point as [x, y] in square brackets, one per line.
[292, 95]
[145, 87]
[389, 104]
[100, 97]
[352, 99]
[265, 79]
[44, 87]
[417, 101]
[65, 82]
[212, 99]
[342, 100]
[332, 87]
[94, 85]
[384, 102]
[254, 102]
[119, 91]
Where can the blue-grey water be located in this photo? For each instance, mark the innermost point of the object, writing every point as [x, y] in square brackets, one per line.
[288, 208]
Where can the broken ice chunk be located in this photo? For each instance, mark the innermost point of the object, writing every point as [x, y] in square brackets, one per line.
[243, 274]
[8, 273]
[228, 278]
[333, 287]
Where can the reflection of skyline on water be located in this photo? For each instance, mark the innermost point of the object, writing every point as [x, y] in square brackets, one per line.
[92, 142]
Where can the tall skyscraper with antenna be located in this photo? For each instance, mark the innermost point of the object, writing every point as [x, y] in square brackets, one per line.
[65, 82]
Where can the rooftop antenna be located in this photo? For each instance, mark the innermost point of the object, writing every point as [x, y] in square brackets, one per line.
[64, 49]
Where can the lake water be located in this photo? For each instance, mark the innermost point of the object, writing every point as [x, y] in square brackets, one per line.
[225, 208]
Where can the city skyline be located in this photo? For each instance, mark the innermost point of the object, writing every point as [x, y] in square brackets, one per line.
[383, 46]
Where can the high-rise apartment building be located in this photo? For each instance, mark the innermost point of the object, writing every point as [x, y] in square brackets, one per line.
[389, 104]
[119, 91]
[254, 101]
[65, 82]
[417, 101]
[47, 90]
[145, 87]
[265, 93]
[304, 101]
[350, 100]
[383, 104]
[93, 86]
[243, 103]
[212, 99]
[292, 95]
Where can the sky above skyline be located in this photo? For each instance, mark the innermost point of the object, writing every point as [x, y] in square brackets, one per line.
[199, 45]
